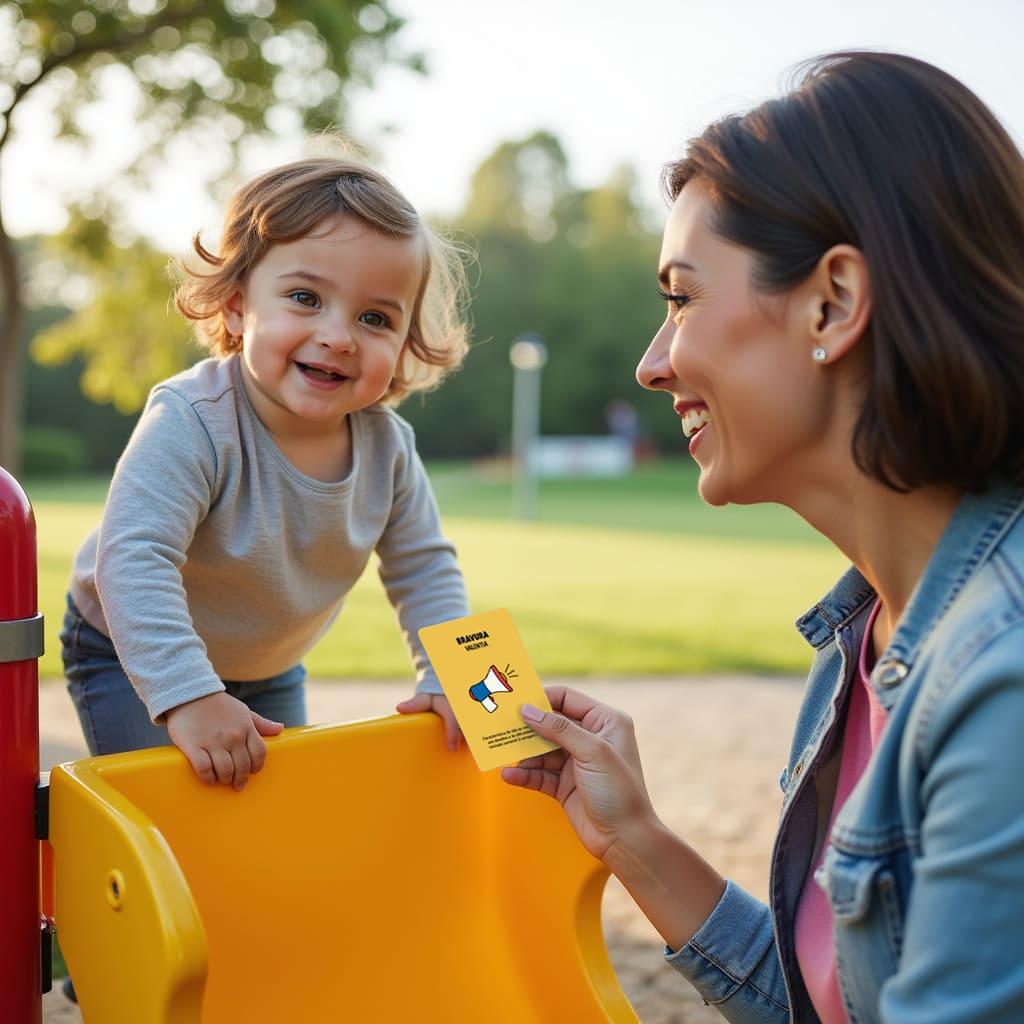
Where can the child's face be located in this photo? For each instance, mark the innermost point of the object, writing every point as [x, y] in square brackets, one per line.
[323, 321]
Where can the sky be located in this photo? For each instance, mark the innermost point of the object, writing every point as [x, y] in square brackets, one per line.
[617, 82]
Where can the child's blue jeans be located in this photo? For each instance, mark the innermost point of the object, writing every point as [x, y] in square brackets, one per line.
[115, 719]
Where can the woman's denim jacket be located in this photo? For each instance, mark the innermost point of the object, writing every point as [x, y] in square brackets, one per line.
[924, 869]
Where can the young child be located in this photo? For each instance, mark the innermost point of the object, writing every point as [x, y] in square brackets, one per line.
[257, 484]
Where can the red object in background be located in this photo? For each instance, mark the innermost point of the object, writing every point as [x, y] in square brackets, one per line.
[20, 646]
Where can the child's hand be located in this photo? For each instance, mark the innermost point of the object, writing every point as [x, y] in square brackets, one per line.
[221, 737]
[437, 703]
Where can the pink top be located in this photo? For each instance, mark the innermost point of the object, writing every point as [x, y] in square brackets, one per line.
[815, 945]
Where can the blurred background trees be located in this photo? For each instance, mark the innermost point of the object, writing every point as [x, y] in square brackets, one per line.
[574, 265]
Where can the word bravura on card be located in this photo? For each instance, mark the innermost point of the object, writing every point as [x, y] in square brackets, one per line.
[487, 677]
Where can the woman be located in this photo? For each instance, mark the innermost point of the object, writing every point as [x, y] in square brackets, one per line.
[844, 274]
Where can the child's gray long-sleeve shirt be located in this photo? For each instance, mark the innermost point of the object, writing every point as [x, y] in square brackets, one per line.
[217, 559]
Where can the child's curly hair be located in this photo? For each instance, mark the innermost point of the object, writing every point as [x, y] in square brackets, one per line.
[290, 202]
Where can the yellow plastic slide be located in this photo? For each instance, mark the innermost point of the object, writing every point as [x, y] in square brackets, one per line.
[367, 874]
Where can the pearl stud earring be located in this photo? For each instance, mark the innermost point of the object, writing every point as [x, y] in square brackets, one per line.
[819, 355]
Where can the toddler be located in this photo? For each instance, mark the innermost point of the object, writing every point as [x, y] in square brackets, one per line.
[258, 483]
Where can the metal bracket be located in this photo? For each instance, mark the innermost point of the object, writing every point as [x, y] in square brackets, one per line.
[21, 639]
[47, 929]
[46, 933]
[42, 809]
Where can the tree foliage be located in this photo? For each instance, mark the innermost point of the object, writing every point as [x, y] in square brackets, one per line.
[224, 69]
[522, 188]
[577, 267]
[128, 336]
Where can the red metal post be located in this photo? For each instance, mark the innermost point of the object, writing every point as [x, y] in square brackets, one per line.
[20, 645]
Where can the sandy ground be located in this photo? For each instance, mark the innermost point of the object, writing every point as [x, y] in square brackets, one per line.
[712, 749]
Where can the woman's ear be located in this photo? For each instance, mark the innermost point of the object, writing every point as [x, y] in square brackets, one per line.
[234, 314]
[841, 305]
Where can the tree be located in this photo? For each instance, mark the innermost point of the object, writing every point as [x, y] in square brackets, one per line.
[576, 266]
[55, 409]
[521, 189]
[223, 68]
[128, 335]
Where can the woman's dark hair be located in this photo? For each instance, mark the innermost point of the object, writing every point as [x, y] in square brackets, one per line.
[892, 155]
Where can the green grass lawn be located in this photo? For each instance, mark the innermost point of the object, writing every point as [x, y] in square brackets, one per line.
[659, 496]
[615, 577]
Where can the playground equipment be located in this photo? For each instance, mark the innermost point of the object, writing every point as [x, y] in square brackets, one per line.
[21, 643]
[367, 874]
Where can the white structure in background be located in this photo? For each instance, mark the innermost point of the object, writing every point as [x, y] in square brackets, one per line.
[580, 456]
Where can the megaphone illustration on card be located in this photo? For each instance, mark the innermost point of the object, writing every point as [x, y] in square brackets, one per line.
[494, 682]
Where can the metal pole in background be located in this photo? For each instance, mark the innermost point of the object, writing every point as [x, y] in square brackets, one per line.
[528, 356]
[21, 643]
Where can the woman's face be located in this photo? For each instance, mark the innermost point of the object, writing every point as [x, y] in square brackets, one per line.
[737, 363]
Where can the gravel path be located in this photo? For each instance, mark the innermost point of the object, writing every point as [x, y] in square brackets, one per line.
[713, 749]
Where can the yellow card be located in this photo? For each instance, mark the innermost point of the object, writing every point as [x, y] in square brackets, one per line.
[487, 677]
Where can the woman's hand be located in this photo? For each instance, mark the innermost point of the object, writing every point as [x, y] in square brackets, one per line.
[221, 737]
[596, 776]
[597, 779]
